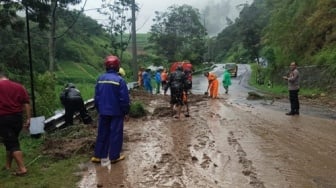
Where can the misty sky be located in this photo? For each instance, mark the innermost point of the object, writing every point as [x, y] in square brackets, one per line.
[215, 11]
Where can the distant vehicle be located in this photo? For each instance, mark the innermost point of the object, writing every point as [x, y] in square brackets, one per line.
[217, 66]
[232, 68]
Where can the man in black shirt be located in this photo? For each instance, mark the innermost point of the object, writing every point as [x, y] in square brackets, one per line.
[73, 102]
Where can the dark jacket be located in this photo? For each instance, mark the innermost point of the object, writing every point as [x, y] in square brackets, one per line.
[111, 95]
[70, 93]
[177, 80]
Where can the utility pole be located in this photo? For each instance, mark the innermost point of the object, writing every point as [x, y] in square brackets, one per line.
[52, 39]
[134, 46]
[30, 62]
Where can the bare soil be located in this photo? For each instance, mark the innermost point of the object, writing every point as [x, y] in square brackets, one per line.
[224, 143]
[80, 138]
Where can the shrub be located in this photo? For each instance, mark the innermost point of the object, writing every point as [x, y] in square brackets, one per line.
[45, 94]
[137, 110]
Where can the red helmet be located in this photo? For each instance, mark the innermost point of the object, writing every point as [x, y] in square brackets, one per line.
[112, 62]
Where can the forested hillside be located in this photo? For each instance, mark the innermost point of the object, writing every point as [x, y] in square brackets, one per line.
[283, 31]
[84, 42]
[280, 31]
[80, 47]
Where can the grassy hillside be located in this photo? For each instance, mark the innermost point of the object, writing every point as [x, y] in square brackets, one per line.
[82, 75]
[142, 42]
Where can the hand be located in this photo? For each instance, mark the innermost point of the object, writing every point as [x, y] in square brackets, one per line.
[27, 123]
[126, 118]
[285, 77]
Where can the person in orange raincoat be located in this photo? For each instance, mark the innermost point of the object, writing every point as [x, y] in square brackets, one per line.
[140, 81]
[213, 85]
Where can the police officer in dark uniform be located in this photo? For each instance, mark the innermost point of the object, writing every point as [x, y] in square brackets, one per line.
[73, 102]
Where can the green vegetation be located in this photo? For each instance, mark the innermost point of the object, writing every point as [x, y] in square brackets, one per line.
[178, 34]
[278, 89]
[52, 168]
[279, 30]
[142, 42]
[283, 31]
[137, 109]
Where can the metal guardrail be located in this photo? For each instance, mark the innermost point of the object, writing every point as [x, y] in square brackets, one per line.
[58, 120]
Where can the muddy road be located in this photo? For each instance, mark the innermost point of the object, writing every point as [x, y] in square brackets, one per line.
[230, 142]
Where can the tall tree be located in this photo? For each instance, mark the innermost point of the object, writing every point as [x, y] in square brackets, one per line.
[250, 30]
[119, 13]
[37, 10]
[178, 34]
[12, 28]
[54, 5]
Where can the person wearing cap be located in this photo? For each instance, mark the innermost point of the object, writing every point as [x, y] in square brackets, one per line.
[72, 101]
[293, 79]
[113, 104]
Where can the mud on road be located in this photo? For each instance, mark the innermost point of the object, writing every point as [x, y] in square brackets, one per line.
[222, 144]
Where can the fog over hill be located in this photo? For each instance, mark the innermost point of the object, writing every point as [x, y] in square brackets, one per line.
[214, 12]
[217, 11]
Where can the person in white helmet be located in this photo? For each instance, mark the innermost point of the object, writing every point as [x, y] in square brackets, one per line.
[122, 72]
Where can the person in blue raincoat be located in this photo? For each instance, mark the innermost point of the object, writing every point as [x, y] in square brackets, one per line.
[146, 77]
[113, 104]
[158, 81]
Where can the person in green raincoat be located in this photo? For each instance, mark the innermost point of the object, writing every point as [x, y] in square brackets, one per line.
[226, 80]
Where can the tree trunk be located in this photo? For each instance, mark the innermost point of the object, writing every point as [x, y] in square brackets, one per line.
[52, 39]
[134, 46]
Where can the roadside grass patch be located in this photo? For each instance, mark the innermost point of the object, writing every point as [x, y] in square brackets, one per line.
[52, 160]
[137, 109]
[280, 90]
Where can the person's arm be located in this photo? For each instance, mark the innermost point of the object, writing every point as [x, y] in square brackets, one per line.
[28, 115]
[293, 76]
[124, 100]
[209, 81]
[286, 77]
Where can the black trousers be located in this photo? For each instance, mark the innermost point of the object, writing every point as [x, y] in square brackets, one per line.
[176, 95]
[10, 127]
[294, 100]
[71, 107]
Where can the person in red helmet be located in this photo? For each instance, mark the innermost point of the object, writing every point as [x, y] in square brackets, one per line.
[112, 103]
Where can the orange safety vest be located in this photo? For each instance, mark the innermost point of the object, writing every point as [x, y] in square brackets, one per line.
[164, 76]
